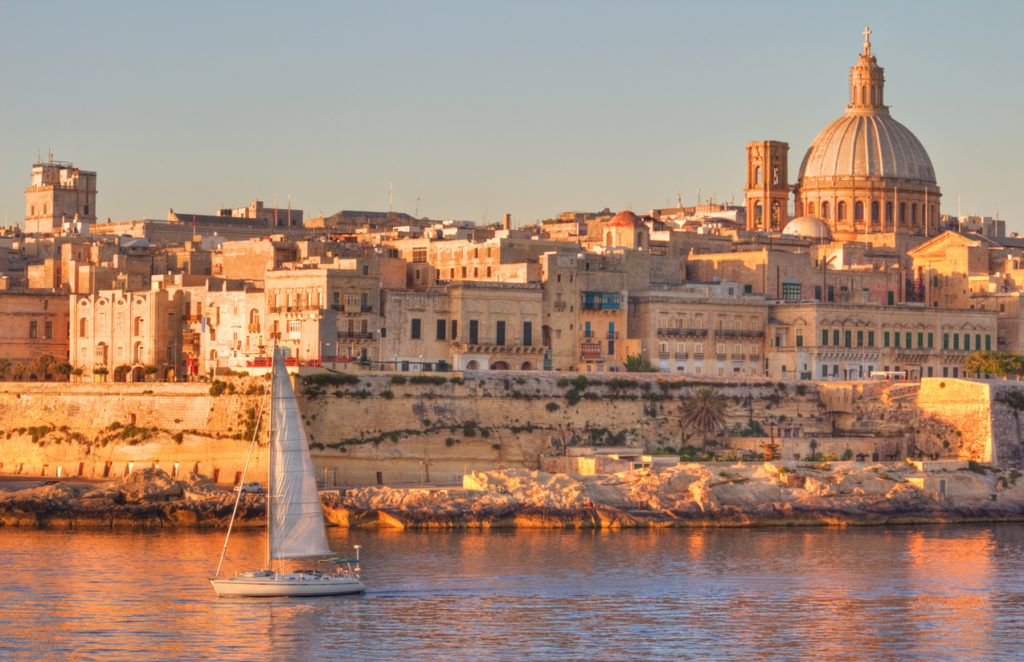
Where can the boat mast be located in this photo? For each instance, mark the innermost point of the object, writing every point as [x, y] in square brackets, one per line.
[270, 449]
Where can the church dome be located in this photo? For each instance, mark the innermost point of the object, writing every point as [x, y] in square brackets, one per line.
[624, 219]
[867, 143]
[808, 227]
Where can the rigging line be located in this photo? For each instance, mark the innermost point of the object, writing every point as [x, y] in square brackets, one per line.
[238, 497]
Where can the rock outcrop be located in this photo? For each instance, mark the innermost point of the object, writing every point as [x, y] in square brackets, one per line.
[716, 494]
[148, 498]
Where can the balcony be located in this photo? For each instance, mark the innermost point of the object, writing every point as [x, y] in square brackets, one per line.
[673, 332]
[682, 356]
[663, 355]
[739, 333]
[720, 357]
[698, 355]
[558, 306]
[613, 335]
[488, 346]
[355, 335]
[739, 357]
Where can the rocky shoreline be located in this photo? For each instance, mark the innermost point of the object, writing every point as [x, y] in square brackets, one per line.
[689, 495]
[147, 499]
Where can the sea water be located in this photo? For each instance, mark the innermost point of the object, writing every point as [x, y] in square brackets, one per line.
[929, 592]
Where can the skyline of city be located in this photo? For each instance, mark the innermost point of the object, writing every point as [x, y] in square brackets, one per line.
[468, 112]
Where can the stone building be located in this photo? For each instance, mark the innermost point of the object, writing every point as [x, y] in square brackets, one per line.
[33, 323]
[851, 341]
[115, 328]
[704, 330]
[60, 196]
[465, 325]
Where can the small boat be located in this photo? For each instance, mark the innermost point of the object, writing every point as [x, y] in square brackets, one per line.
[295, 522]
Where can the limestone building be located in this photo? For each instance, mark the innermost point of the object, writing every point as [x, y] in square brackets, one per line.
[60, 196]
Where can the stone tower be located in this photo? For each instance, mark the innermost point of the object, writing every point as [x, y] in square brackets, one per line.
[60, 195]
[767, 189]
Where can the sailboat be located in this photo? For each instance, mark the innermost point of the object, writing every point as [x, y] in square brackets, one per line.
[295, 522]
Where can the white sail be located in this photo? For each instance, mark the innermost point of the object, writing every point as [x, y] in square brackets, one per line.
[296, 520]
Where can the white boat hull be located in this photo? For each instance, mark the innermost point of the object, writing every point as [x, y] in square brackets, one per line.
[286, 585]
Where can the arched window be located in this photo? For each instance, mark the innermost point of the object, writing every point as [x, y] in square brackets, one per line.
[903, 213]
[138, 326]
[775, 176]
[858, 211]
[810, 208]
[888, 212]
[639, 241]
[874, 211]
[825, 210]
[841, 211]
[873, 102]
[757, 176]
[137, 354]
[775, 214]
[757, 211]
[863, 96]
[913, 214]
[83, 325]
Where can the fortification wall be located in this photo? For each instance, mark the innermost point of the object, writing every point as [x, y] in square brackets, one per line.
[408, 432]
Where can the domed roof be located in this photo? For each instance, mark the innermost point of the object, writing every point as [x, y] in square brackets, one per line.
[624, 219]
[808, 227]
[864, 143]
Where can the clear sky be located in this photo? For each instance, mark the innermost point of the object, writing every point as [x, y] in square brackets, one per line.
[471, 109]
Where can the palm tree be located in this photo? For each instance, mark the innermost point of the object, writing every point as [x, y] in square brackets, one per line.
[704, 411]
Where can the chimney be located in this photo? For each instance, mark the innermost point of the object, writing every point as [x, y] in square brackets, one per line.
[507, 221]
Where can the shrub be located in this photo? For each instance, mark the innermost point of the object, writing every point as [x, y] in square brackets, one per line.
[178, 437]
[450, 441]
[580, 383]
[455, 380]
[217, 387]
[469, 429]
[551, 406]
[331, 379]
[387, 395]
[398, 379]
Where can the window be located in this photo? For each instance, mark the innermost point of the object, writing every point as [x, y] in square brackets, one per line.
[47, 329]
[920, 340]
[586, 329]
[825, 211]
[847, 338]
[474, 329]
[441, 327]
[33, 329]
[799, 338]
[841, 211]
[931, 340]
[791, 291]
[499, 333]
[988, 342]
[967, 341]
[824, 370]
[414, 332]
[528, 334]
[896, 339]
[874, 211]
[885, 339]
[871, 338]
[82, 327]
[835, 337]
[832, 294]
[611, 347]
[860, 338]
[824, 336]
[817, 292]
[977, 342]
[858, 211]
[892, 298]
[455, 329]
[945, 341]
[956, 341]
[364, 302]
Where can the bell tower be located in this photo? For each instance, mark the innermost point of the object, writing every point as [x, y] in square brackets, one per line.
[767, 189]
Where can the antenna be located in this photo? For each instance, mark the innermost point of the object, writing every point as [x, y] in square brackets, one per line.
[416, 214]
[389, 196]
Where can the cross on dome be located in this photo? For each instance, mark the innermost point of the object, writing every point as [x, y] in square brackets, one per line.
[867, 40]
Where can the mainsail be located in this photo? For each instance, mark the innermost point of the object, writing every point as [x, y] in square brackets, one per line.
[296, 520]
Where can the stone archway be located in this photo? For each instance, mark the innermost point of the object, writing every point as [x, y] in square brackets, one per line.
[473, 365]
[526, 366]
[499, 365]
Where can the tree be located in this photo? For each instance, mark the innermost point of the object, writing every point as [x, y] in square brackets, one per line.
[704, 411]
[637, 363]
[997, 364]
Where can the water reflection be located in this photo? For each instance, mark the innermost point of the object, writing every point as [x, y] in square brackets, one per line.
[910, 593]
